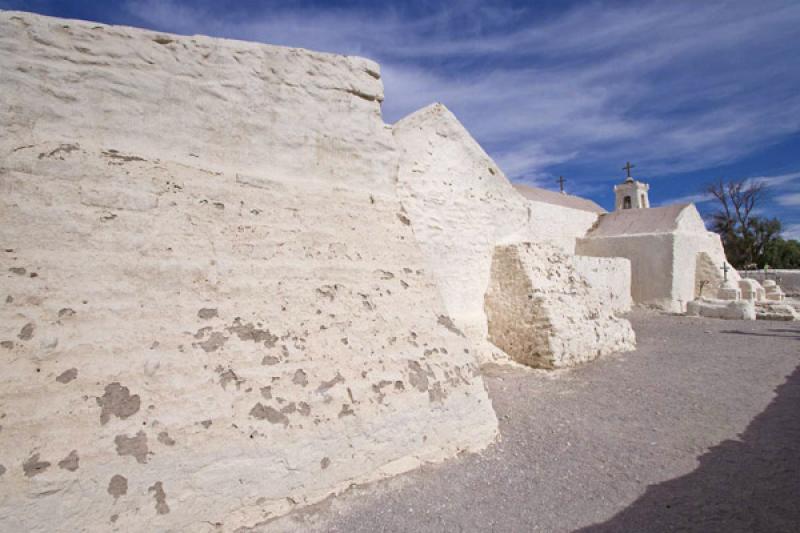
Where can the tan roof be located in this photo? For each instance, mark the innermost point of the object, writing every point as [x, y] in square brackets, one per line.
[638, 221]
[552, 197]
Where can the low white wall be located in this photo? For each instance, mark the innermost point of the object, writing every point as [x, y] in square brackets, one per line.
[651, 258]
[789, 280]
[544, 314]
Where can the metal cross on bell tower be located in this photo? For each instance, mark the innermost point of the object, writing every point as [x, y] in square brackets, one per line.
[628, 168]
[561, 181]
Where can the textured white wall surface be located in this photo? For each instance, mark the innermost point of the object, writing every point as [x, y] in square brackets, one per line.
[461, 206]
[610, 278]
[213, 309]
[545, 314]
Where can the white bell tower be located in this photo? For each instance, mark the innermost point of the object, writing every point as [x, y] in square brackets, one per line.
[631, 194]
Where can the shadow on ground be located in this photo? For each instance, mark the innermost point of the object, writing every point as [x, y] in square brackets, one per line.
[793, 333]
[750, 485]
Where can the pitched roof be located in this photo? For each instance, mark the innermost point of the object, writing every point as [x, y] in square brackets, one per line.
[537, 194]
[638, 221]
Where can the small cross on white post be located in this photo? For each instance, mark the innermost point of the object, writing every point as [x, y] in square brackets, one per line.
[725, 270]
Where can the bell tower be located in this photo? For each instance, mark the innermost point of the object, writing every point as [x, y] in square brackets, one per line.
[631, 194]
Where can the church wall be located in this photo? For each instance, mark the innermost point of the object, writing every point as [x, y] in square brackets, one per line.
[560, 225]
[213, 307]
[687, 246]
[652, 260]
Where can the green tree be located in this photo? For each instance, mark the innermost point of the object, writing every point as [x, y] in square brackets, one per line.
[747, 237]
[782, 253]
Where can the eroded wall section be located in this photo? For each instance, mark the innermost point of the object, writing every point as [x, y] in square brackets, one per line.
[213, 309]
[544, 314]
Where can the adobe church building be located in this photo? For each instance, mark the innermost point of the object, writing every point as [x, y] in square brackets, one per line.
[674, 258]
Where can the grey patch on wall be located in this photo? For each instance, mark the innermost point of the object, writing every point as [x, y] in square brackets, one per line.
[67, 375]
[118, 486]
[33, 466]
[325, 463]
[326, 385]
[26, 333]
[165, 439]
[248, 332]
[161, 497]
[62, 149]
[19, 271]
[346, 411]
[265, 412]
[8, 345]
[226, 376]
[135, 446]
[207, 313]
[117, 401]
[214, 342]
[384, 274]
[327, 291]
[300, 378]
[70, 462]
[114, 154]
[447, 322]
[65, 312]
[436, 393]
[417, 376]
[2, 470]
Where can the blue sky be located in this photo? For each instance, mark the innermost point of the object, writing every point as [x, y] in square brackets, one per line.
[687, 91]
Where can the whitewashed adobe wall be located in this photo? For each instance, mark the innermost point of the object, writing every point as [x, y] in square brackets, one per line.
[610, 278]
[664, 257]
[460, 206]
[559, 225]
[212, 307]
[545, 314]
[789, 280]
[651, 258]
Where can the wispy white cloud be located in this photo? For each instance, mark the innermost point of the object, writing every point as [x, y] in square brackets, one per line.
[779, 180]
[789, 200]
[678, 86]
[786, 182]
[792, 231]
[698, 198]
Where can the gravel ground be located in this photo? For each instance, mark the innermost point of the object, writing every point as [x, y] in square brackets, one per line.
[698, 430]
